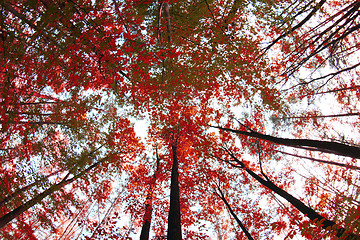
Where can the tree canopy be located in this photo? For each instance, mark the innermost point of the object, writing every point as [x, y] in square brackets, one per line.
[204, 119]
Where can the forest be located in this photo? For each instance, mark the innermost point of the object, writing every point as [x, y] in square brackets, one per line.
[180, 119]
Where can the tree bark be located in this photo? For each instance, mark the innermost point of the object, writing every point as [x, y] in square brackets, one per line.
[145, 230]
[314, 145]
[307, 211]
[174, 218]
[4, 220]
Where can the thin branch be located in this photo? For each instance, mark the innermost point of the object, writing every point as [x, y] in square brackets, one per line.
[300, 24]
[321, 161]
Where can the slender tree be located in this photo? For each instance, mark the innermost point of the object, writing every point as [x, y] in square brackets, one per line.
[5, 219]
[70, 69]
[174, 219]
[307, 211]
[315, 145]
[145, 230]
[221, 195]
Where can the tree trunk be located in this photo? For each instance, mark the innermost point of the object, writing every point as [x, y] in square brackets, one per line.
[314, 145]
[174, 219]
[38, 198]
[21, 191]
[307, 211]
[145, 230]
[222, 197]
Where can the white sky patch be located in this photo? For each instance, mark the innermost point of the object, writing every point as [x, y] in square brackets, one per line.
[141, 128]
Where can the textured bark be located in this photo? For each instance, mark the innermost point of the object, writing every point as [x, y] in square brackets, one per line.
[174, 218]
[38, 198]
[315, 145]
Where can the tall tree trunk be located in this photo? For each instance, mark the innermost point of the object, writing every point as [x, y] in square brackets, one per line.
[38, 198]
[145, 230]
[314, 145]
[307, 211]
[241, 225]
[21, 191]
[174, 219]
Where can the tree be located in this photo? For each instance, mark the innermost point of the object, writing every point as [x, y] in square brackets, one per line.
[221, 195]
[76, 75]
[323, 146]
[148, 203]
[19, 210]
[308, 212]
[174, 220]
